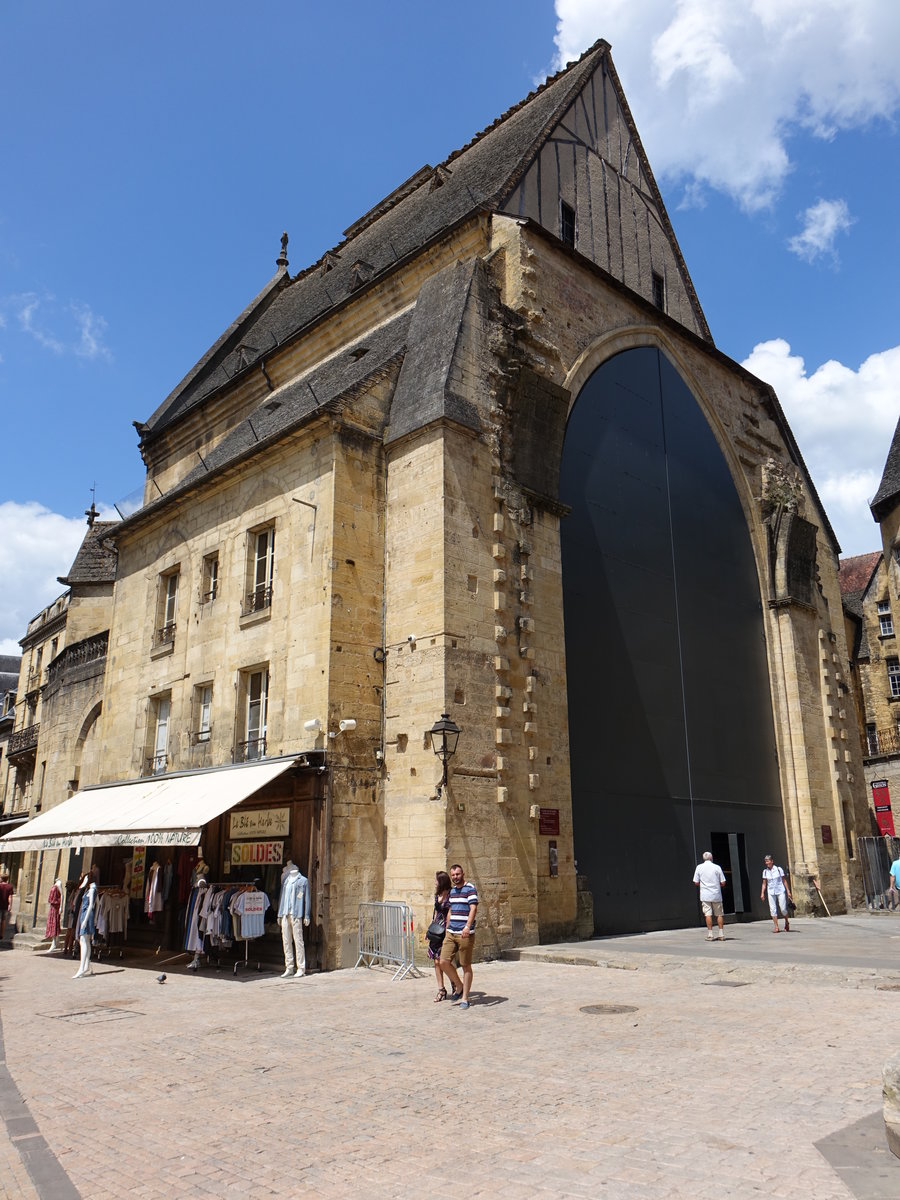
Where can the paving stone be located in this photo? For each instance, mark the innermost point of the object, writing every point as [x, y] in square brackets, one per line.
[220, 1087]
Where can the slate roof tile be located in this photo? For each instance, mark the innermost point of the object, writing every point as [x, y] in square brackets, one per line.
[475, 176]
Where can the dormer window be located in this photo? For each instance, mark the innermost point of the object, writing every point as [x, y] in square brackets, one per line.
[658, 286]
[567, 224]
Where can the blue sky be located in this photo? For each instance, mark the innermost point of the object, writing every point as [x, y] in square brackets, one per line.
[152, 157]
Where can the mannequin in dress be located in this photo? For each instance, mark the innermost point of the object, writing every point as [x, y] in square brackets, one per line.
[293, 915]
[55, 902]
[85, 929]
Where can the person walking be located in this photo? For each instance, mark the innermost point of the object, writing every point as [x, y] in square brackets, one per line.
[775, 883]
[439, 916]
[460, 936]
[709, 878]
[6, 895]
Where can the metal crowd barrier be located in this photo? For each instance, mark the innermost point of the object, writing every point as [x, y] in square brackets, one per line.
[876, 855]
[386, 936]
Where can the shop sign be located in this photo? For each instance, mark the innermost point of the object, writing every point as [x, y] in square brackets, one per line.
[158, 837]
[881, 801]
[548, 822]
[254, 854]
[260, 822]
[138, 861]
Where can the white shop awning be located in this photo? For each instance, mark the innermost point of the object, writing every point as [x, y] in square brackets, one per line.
[165, 810]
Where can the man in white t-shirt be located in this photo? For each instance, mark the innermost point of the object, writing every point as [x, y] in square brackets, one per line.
[709, 879]
[894, 890]
[774, 882]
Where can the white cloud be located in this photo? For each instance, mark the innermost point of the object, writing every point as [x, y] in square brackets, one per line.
[821, 225]
[92, 329]
[843, 421]
[718, 87]
[70, 329]
[27, 310]
[37, 546]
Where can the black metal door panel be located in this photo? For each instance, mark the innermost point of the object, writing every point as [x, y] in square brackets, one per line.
[669, 705]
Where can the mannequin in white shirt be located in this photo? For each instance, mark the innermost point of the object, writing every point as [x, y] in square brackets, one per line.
[293, 915]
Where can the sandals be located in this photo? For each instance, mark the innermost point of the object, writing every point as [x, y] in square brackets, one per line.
[442, 995]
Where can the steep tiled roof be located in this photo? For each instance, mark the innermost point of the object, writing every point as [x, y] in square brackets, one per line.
[95, 561]
[428, 204]
[856, 573]
[889, 488]
[338, 378]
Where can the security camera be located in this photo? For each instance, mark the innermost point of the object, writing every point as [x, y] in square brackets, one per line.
[347, 726]
[312, 726]
[411, 637]
[379, 755]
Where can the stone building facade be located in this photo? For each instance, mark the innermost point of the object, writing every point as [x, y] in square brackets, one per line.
[870, 585]
[53, 749]
[462, 464]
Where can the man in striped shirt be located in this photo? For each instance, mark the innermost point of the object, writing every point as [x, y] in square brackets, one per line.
[460, 936]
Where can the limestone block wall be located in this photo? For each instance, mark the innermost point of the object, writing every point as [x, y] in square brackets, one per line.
[415, 670]
[214, 643]
[355, 682]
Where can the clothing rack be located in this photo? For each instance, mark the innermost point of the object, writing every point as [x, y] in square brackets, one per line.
[211, 887]
[104, 941]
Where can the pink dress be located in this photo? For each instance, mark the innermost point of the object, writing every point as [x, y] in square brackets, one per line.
[55, 900]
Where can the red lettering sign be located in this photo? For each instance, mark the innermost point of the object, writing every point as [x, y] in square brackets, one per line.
[548, 822]
[881, 800]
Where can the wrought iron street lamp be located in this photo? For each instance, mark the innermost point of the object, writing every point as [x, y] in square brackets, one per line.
[444, 736]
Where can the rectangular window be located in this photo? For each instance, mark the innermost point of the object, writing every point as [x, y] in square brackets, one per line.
[261, 570]
[659, 291]
[210, 585]
[885, 619]
[253, 745]
[166, 608]
[566, 223]
[893, 669]
[871, 738]
[203, 732]
[159, 735]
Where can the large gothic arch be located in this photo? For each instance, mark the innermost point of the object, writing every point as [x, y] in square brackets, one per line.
[672, 743]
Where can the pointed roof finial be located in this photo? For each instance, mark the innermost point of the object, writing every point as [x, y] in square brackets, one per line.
[91, 513]
[282, 260]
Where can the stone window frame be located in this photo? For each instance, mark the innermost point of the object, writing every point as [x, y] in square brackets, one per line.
[166, 611]
[259, 579]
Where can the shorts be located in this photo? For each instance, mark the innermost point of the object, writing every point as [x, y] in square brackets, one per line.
[712, 908]
[454, 944]
[778, 900]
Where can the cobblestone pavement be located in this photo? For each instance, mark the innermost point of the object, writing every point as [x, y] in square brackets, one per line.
[689, 1071]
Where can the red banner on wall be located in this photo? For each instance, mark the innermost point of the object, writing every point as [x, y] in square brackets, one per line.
[881, 801]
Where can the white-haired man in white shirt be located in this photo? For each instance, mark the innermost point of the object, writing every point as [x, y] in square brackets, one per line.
[709, 879]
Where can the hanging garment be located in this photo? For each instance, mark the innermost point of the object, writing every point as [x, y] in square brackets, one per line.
[153, 900]
[193, 938]
[251, 908]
